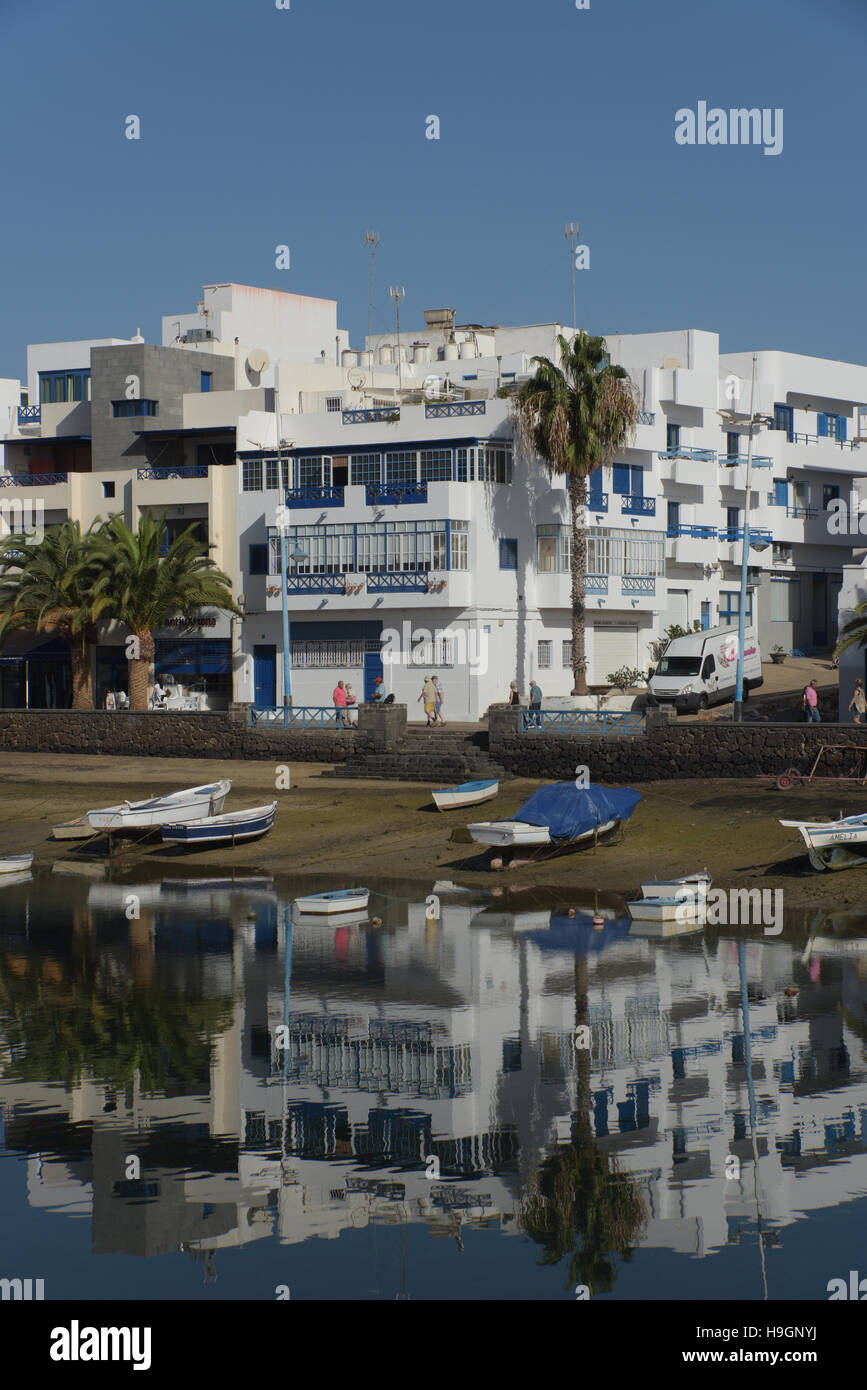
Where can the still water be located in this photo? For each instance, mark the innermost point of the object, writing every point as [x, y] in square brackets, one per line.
[204, 1098]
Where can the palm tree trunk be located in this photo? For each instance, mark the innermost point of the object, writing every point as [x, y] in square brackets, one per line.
[139, 671]
[79, 665]
[577, 500]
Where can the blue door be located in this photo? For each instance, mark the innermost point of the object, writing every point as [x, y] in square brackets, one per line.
[265, 675]
[372, 669]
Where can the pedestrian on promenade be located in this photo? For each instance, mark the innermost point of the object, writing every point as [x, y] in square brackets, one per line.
[535, 703]
[429, 695]
[379, 692]
[338, 695]
[351, 705]
[439, 701]
[859, 701]
[514, 695]
[811, 704]
[122, 699]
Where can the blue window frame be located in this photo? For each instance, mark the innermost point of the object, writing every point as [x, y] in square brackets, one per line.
[730, 606]
[673, 518]
[733, 520]
[206, 380]
[830, 426]
[400, 468]
[732, 445]
[594, 493]
[672, 437]
[258, 561]
[784, 418]
[64, 386]
[508, 554]
[122, 410]
[830, 493]
[781, 492]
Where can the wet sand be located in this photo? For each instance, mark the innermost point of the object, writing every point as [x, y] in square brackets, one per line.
[361, 829]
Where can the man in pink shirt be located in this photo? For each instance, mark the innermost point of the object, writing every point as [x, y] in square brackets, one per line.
[339, 698]
[811, 704]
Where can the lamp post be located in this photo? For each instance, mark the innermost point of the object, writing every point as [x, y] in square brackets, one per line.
[738, 710]
[297, 553]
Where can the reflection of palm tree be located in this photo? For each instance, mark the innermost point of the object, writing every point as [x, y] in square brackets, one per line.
[578, 1193]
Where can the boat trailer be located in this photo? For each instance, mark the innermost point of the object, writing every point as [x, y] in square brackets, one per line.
[858, 774]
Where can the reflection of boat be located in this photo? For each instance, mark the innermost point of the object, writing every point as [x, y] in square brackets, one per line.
[579, 934]
[341, 919]
[214, 885]
[25, 876]
[113, 896]
[658, 930]
[560, 814]
[188, 805]
[673, 909]
[836, 946]
[225, 829]
[670, 887]
[467, 794]
[15, 863]
[330, 904]
[79, 829]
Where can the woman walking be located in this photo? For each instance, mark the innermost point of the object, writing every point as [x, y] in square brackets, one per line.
[429, 695]
[514, 695]
[439, 701]
[858, 702]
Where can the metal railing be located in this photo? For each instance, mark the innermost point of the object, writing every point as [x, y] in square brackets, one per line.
[684, 528]
[646, 417]
[797, 437]
[376, 416]
[315, 584]
[805, 512]
[327, 496]
[32, 479]
[161, 475]
[294, 716]
[394, 494]
[686, 451]
[735, 460]
[736, 533]
[597, 502]
[451, 410]
[412, 582]
[596, 583]
[637, 584]
[29, 414]
[581, 721]
[638, 506]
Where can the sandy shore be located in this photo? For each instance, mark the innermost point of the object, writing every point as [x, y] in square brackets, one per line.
[356, 830]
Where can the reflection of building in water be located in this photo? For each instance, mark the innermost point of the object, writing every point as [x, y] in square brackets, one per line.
[427, 1071]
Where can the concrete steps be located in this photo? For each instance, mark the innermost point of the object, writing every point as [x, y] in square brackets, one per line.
[433, 756]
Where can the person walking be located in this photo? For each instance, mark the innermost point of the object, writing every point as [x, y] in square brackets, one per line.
[351, 705]
[514, 695]
[811, 704]
[338, 695]
[379, 692]
[858, 702]
[536, 704]
[439, 701]
[429, 695]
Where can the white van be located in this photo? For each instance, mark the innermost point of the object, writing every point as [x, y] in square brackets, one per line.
[701, 669]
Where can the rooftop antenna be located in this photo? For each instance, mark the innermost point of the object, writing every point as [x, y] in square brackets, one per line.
[571, 236]
[397, 294]
[372, 240]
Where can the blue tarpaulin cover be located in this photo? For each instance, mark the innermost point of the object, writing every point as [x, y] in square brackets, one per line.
[578, 935]
[570, 811]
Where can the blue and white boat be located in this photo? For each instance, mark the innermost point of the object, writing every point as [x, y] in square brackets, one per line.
[561, 815]
[228, 829]
[15, 863]
[466, 794]
[330, 904]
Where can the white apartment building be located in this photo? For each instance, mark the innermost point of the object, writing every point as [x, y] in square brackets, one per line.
[419, 536]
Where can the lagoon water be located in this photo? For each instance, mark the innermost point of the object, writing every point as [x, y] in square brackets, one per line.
[204, 1098]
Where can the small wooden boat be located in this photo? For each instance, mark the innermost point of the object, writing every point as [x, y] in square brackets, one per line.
[178, 807]
[509, 832]
[227, 829]
[9, 880]
[80, 829]
[329, 904]
[15, 863]
[466, 794]
[672, 909]
[690, 885]
[819, 835]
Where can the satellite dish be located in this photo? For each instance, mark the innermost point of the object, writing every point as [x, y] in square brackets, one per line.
[356, 379]
[258, 360]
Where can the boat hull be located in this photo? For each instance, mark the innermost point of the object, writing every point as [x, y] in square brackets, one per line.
[196, 803]
[80, 829]
[229, 829]
[663, 910]
[505, 833]
[15, 863]
[332, 904]
[467, 794]
[692, 885]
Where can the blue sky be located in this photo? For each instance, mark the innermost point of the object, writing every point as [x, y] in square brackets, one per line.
[307, 126]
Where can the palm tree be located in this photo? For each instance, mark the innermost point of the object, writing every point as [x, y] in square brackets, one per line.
[854, 634]
[578, 416]
[145, 587]
[47, 586]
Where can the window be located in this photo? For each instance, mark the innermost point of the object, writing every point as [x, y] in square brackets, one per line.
[732, 445]
[733, 515]
[400, 469]
[830, 426]
[594, 491]
[333, 403]
[461, 460]
[784, 419]
[200, 665]
[222, 454]
[251, 475]
[108, 489]
[543, 655]
[122, 410]
[730, 607]
[782, 554]
[435, 465]
[206, 380]
[785, 600]
[64, 386]
[547, 552]
[672, 437]
[347, 653]
[673, 518]
[567, 655]
[272, 475]
[705, 615]
[313, 471]
[508, 554]
[258, 563]
[781, 492]
[495, 464]
[830, 493]
[609, 551]
[365, 468]
[459, 544]
[627, 481]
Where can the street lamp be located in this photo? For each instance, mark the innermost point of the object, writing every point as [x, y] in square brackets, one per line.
[755, 421]
[297, 553]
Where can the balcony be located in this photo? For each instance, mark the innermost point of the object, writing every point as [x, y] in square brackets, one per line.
[315, 497]
[394, 494]
[597, 502]
[638, 506]
[736, 533]
[406, 582]
[315, 584]
[596, 583]
[637, 584]
[691, 544]
[646, 417]
[740, 460]
[29, 414]
[802, 513]
[453, 410]
[380, 415]
[162, 475]
[685, 451]
[687, 529]
[32, 479]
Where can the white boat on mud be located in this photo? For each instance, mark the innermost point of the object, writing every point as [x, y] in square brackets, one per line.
[80, 829]
[690, 885]
[562, 815]
[508, 833]
[195, 803]
[332, 904]
[835, 844]
[669, 909]
[467, 794]
[15, 863]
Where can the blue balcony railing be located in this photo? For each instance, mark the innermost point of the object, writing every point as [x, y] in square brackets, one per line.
[637, 584]
[804, 513]
[796, 437]
[597, 502]
[736, 533]
[638, 506]
[327, 496]
[682, 528]
[581, 721]
[686, 451]
[453, 409]
[646, 417]
[29, 414]
[32, 479]
[733, 460]
[377, 416]
[407, 582]
[315, 584]
[293, 716]
[161, 475]
[394, 494]
[596, 583]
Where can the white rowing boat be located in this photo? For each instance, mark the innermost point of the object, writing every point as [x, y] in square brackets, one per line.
[466, 794]
[79, 829]
[819, 835]
[15, 863]
[670, 909]
[230, 828]
[331, 904]
[192, 804]
[690, 885]
[508, 832]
